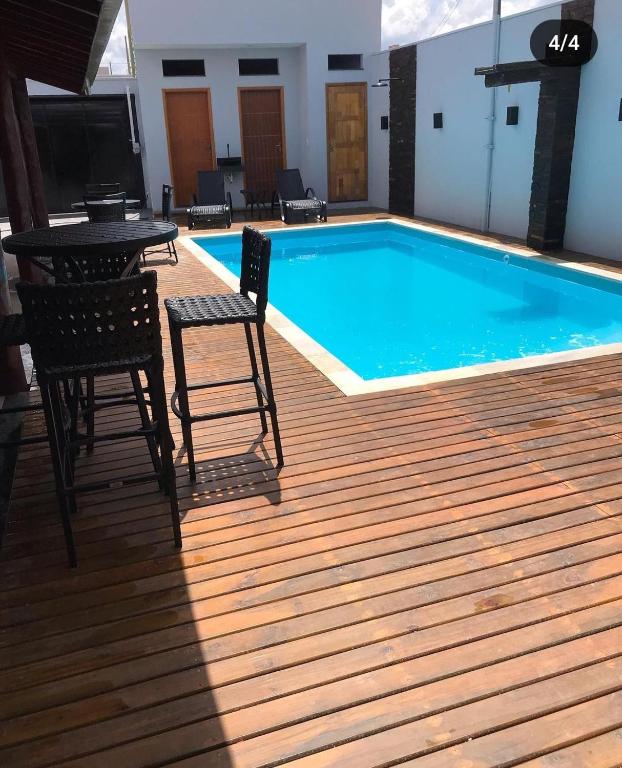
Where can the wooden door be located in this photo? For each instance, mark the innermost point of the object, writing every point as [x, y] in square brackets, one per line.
[346, 121]
[190, 139]
[263, 137]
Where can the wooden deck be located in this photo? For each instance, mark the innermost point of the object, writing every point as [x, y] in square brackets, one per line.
[434, 580]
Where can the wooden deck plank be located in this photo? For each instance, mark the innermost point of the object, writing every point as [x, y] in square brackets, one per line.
[601, 682]
[401, 673]
[342, 711]
[545, 735]
[203, 582]
[432, 565]
[478, 487]
[217, 597]
[325, 656]
[230, 614]
[599, 752]
[465, 457]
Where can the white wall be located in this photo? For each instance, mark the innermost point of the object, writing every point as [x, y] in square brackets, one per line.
[514, 144]
[301, 33]
[450, 162]
[594, 222]
[450, 177]
[377, 66]
[341, 26]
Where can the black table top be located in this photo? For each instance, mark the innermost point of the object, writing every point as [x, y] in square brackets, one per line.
[130, 202]
[96, 239]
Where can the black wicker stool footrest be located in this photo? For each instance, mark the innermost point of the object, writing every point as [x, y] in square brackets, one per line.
[122, 482]
[223, 383]
[113, 436]
[193, 419]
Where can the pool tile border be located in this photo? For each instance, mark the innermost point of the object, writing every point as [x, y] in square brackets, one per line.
[349, 382]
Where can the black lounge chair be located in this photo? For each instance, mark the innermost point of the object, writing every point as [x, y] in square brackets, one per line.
[211, 204]
[295, 199]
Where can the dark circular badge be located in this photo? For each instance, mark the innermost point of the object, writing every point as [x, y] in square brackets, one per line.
[564, 43]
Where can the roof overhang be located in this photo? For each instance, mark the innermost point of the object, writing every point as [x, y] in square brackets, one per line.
[57, 42]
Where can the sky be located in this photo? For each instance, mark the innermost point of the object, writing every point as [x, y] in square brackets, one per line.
[403, 21]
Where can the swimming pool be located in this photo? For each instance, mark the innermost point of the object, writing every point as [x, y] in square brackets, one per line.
[390, 304]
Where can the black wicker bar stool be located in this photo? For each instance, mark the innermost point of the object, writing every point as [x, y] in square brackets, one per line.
[84, 330]
[13, 334]
[87, 269]
[234, 308]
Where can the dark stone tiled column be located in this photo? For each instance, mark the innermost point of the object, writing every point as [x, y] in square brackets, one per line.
[557, 116]
[555, 136]
[403, 65]
[579, 10]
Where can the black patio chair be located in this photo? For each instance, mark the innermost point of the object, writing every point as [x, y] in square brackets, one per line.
[167, 197]
[87, 330]
[233, 308]
[102, 210]
[295, 199]
[211, 204]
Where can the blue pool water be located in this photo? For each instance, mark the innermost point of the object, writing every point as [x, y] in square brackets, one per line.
[389, 300]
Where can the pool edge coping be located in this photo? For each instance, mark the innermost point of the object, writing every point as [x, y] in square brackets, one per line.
[349, 382]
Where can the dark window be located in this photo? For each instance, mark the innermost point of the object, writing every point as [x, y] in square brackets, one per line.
[183, 67]
[345, 61]
[512, 116]
[254, 67]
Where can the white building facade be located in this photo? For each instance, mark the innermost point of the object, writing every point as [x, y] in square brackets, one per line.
[299, 48]
[317, 45]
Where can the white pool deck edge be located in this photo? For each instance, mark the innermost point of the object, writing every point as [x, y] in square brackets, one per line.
[349, 382]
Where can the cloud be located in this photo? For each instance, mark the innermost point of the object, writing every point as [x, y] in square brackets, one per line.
[403, 21]
[115, 54]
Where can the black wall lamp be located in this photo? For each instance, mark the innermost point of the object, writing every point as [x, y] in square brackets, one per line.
[512, 116]
[438, 119]
[384, 82]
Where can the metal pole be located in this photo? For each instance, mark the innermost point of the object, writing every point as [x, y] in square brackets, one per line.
[130, 111]
[492, 116]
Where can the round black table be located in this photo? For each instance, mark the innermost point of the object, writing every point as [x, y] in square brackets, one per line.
[129, 203]
[68, 242]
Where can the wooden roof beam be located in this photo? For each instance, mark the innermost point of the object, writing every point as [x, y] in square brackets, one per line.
[81, 39]
[27, 9]
[512, 74]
